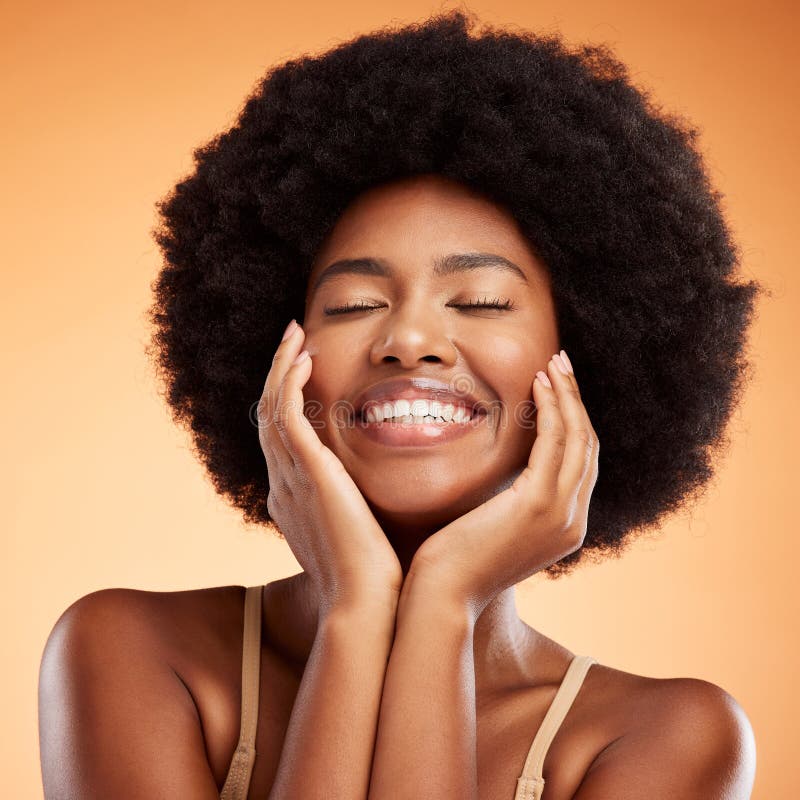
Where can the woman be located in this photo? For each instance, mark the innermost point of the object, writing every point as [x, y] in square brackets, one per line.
[448, 216]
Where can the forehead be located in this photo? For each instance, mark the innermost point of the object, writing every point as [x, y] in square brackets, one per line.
[413, 221]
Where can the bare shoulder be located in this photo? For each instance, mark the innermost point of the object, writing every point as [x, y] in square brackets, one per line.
[130, 666]
[171, 625]
[142, 601]
[196, 632]
[674, 737]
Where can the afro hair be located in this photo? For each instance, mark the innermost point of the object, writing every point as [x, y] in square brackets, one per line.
[610, 191]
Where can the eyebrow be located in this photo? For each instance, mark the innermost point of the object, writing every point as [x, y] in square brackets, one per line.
[442, 266]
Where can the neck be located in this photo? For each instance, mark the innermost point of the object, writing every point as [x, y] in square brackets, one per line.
[504, 647]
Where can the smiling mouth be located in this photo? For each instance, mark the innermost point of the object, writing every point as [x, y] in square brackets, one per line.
[460, 417]
[409, 433]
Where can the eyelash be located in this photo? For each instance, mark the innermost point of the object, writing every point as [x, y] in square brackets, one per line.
[497, 303]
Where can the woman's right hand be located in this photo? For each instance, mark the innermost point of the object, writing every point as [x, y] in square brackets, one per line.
[314, 500]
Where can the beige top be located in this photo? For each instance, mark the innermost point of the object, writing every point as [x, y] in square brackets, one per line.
[530, 783]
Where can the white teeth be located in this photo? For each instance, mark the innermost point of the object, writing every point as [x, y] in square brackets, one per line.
[419, 408]
[461, 415]
[417, 411]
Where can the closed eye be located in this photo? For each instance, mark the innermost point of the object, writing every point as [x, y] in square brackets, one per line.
[497, 303]
[503, 305]
[346, 309]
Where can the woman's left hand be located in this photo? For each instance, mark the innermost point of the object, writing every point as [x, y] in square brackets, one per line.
[538, 520]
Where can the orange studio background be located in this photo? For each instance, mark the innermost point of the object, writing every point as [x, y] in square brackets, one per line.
[102, 106]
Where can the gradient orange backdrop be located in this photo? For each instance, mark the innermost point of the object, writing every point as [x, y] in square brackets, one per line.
[103, 104]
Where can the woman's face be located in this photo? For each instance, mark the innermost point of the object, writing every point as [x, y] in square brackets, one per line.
[415, 330]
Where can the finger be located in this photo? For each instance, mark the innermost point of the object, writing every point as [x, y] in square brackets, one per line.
[548, 448]
[271, 442]
[287, 351]
[580, 436]
[574, 382]
[298, 436]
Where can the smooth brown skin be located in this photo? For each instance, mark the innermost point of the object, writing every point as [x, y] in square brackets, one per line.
[390, 671]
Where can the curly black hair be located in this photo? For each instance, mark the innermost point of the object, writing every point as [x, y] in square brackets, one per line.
[610, 191]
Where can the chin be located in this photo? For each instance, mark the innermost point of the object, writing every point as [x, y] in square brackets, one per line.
[419, 501]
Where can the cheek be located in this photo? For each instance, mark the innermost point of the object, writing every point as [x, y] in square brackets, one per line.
[509, 370]
[330, 382]
[512, 367]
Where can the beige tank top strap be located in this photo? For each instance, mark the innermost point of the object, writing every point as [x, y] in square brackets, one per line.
[238, 781]
[531, 783]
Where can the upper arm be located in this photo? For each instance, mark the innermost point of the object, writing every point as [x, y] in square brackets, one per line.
[699, 746]
[115, 720]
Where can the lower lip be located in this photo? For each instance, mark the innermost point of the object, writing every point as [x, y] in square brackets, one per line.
[399, 434]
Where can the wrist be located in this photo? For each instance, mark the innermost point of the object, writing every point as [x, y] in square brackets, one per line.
[357, 630]
[370, 609]
[427, 593]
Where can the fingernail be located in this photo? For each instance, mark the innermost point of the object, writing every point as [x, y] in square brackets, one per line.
[544, 379]
[565, 357]
[289, 330]
[302, 357]
[560, 365]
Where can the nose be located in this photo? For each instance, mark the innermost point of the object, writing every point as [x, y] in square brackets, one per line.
[410, 334]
